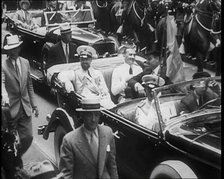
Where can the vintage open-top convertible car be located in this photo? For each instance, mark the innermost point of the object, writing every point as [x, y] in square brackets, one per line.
[36, 42]
[184, 146]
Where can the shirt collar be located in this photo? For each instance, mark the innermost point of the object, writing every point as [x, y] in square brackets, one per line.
[88, 132]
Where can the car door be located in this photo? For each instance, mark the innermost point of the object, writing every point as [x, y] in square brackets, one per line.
[137, 147]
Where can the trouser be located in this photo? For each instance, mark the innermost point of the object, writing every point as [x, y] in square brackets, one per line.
[23, 124]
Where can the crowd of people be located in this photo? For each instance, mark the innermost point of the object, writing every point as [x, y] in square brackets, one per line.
[89, 151]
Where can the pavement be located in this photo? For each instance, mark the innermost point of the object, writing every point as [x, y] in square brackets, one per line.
[34, 155]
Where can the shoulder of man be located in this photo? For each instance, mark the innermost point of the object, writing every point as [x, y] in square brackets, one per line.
[72, 134]
[105, 129]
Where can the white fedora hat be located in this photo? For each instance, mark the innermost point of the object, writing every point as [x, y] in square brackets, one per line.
[12, 42]
[152, 81]
[85, 50]
[90, 104]
[65, 28]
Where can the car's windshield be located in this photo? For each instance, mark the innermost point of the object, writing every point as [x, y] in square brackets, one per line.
[83, 16]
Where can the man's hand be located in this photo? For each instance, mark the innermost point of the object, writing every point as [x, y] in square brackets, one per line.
[140, 89]
[35, 111]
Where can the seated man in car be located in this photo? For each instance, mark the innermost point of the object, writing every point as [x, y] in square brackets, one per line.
[123, 73]
[63, 51]
[145, 113]
[151, 67]
[197, 98]
[55, 18]
[213, 85]
[86, 80]
[23, 17]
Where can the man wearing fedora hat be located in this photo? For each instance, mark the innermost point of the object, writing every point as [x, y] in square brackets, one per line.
[145, 113]
[86, 80]
[17, 91]
[63, 51]
[23, 17]
[89, 151]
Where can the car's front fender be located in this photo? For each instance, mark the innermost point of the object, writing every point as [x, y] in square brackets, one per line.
[59, 117]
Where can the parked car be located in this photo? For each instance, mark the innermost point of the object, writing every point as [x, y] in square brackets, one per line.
[36, 42]
[185, 146]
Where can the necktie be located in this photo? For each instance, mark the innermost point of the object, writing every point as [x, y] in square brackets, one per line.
[66, 52]
[130, 71]
[94, 146]
[17, 71]
[89, 73]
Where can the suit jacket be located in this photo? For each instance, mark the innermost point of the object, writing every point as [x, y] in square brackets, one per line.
[77, 161]
[138, 78]
[18, 93]
[56, 54]
[190, 104]
[57, 18]
[20, 17]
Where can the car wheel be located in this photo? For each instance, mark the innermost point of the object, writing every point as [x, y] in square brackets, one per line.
[58, 137]
[172, 169]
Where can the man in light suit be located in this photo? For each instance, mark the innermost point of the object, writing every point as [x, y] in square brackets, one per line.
[89, 151]
[63, 51]
[17, 91]
[23, 17]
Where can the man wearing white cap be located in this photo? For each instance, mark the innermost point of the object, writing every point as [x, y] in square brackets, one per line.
[63, 51]
[145, 114]
[17, 91]
[89, 151]
[87, 81]
[23, 17]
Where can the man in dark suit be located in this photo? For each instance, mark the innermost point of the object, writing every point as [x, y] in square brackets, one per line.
[151, 66]
[53, 17]
[197, 98]
[17, 91]
[63, 51]
[89, 151]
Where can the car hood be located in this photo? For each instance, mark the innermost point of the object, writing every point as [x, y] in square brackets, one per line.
[198, 136]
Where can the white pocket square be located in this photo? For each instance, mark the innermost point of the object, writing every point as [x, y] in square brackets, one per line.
[108, 148]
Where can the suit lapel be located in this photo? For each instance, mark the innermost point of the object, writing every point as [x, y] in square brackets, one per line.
[102, 150]
[12, 69]
[84, 147]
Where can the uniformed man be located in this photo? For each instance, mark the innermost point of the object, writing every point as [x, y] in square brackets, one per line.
[145, 113]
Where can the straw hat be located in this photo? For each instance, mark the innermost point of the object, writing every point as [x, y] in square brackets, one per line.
[24, 1]
[42, 169]
[152, 81]
[85, 51]
[65, 28]
[90, 104]
[12, 42]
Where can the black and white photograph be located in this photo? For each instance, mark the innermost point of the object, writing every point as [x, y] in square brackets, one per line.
[111, 89]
